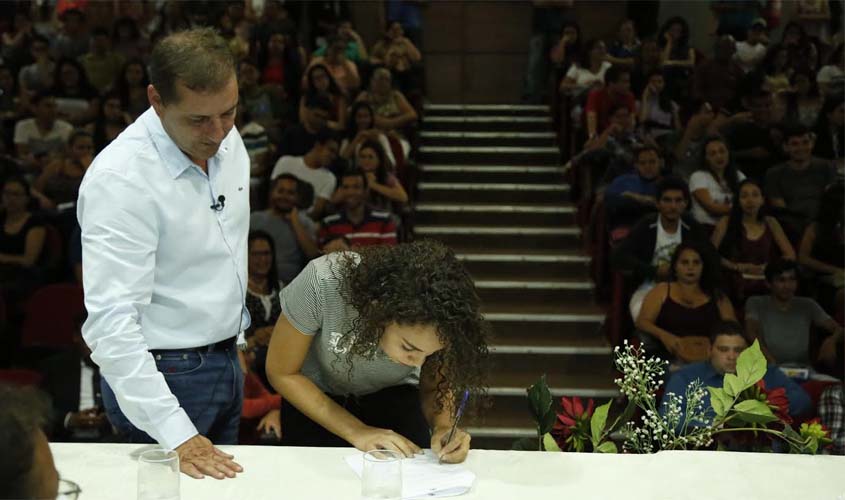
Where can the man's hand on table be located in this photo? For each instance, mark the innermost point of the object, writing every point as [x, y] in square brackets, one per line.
[199, 458]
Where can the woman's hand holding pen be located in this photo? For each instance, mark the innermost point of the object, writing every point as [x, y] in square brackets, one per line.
[453, 452]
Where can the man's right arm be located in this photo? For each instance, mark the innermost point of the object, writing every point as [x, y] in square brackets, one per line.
[119, 242]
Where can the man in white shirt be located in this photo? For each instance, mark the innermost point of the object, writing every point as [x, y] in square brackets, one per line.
[751, 51]
[313, 169]
[43, 137]
[164, 212]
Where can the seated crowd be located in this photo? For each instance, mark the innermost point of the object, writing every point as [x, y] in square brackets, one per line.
[710, 190]
[328, 120]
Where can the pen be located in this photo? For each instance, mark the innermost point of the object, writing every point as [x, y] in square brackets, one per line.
[458, 415]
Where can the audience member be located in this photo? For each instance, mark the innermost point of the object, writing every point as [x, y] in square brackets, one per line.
[16, 40]
[801, 51]
[717, 80]
[77, 101]
[260, 405]
[631, 196]
[567, 51]
[73, 382]
[814, 18]
[266, 104]
[588, 72]
[802, 102]
[681, 317]
[343, 71]
[647, 61]
[58, 184]
[798, 184]
[362, 128]
[293, 233]
[397, 53]
[72, 39]
[830, 132]
[611, 153]
[111, 121]
[131, 86]
[44, 136]
[355, 49]
[623, 50]
[645, 254]
[356, 221]
[727, 342]
[617, 82]
[783, 322]
[822, 249]
[26, 467]
[751, 134]
[320, 81]
[262, 293]
[299, 139]
[677, 57]
[747, 239]
[383, 187]
[37, 76]
[658, 113]
[102, 64]
[831, 78]
[688, 151]
[713, 185]
[751, 51]
[127, 39]
[313, 169]
[21, 242]
[281, 63]
[832, 415]
[393, 112]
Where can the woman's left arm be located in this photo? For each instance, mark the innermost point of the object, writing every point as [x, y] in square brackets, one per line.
[786, 250]
[440, 419]
[32, 249]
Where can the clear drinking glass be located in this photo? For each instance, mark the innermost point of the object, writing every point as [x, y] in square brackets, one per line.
[158, 475]
[382, 475]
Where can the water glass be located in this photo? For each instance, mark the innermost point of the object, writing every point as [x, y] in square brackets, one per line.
[158, 475]
[382, 475]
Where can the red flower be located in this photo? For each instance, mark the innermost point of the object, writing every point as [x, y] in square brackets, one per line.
[777, 401]
[572, 427]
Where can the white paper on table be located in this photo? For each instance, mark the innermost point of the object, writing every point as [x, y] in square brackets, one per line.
[423, 477]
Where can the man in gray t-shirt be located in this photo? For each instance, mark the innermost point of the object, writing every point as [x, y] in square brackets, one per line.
[293, 233]
[783, 322]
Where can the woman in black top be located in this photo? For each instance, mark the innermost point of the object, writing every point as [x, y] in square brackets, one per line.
[262, 297]
[21, 242]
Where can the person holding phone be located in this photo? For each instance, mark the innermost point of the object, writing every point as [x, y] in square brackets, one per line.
[374, 347]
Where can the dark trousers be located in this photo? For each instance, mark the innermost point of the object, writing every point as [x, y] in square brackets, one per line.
[396, 408]
[209, 387]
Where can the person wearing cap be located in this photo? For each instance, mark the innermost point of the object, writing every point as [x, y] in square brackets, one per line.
[751, 51]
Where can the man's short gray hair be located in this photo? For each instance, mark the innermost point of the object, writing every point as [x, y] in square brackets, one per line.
[198, 58]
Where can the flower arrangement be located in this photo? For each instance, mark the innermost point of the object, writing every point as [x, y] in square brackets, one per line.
[742, 406]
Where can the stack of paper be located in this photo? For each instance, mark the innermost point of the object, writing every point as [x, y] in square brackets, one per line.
[423, 477]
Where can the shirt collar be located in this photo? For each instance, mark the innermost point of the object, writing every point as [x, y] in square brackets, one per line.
[173, 158]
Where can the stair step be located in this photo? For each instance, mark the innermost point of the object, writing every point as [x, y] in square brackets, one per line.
[525, 266]
[502, 237]
[571, 375]
[490, 214]
[492, 192]
[477, 109]
[479, 139]
[508, 155]
[488, 123]
[492, 173]
[537, 321]
[498, 291]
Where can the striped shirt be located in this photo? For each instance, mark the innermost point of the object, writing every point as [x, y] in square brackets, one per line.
[312, 303]
[377, 228]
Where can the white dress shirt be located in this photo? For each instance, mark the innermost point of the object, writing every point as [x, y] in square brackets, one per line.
[161, 268]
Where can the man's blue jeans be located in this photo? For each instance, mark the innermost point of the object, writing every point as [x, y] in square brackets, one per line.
[209, 387]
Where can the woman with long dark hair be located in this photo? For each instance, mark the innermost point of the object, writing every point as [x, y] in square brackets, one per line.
[131, 86]
[802, 101]
[713, 185]
[374, 347]
[385, 189]
[677, 57]
[747, 239]
[659, 114]
[686, 306]
[319, 81]
[361, 128]
[589, 72]
[76, 99]
[281, 62]
[567, 50]
[262, 296]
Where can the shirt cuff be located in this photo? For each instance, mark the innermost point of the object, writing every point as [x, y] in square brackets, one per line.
[175, 430]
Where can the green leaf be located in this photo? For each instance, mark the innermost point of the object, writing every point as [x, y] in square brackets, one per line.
[598, 421]
[732, 385]
[607, 447]
[549, 443]
[548, 421]
[751, 365]
[720, 401]
[525, 444]
[540, 400]
[754, 411]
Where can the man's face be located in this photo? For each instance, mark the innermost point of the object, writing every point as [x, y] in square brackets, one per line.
[672, 204]
[648, 164]
[284, 195]
[101, 43]
[198, 121]
[800, 147]
[622, 119]
[724, 352]
[761, 109]
[784, 285]
[46, 109]
[248, 77]
[354, 191]
[327, 153]
[622, 85]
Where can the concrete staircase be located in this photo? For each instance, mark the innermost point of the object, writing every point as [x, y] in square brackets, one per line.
[492, 188]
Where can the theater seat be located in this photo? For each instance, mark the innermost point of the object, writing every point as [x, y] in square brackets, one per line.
[20, 376]
[51, 316]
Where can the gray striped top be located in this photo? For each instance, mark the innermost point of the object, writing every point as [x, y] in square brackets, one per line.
[312, 303]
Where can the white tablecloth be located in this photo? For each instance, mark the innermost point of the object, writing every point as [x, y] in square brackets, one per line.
[106, 471]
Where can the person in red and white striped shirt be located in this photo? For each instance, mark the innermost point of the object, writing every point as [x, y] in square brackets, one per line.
[360, 224]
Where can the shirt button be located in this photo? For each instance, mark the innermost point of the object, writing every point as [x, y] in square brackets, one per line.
[184, 356]
[158, 357]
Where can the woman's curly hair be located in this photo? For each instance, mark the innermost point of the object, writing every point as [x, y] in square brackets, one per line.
[418, 283]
